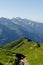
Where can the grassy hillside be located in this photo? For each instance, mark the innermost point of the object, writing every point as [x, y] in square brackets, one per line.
[34, 55]
[6, 57]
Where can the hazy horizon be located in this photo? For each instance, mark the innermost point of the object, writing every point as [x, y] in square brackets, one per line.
[30, 9]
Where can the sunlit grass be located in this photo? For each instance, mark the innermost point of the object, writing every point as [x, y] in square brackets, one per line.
[34, 55]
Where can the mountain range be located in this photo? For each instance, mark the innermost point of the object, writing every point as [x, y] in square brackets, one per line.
[12, 29]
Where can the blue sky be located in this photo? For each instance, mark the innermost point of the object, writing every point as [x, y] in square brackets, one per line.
[31, 9]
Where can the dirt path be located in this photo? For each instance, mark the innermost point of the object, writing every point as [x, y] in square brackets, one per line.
[21, 60]
[25, 62]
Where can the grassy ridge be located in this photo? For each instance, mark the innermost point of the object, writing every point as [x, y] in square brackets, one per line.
[34, 55]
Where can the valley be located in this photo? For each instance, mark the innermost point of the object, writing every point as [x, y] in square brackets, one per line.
[21, 42]
[15, 28]
[21, 32]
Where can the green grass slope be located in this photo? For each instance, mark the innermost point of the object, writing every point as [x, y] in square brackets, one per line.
[6, 57]
[34, 55]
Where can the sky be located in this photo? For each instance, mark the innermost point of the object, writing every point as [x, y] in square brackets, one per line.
[30, 9]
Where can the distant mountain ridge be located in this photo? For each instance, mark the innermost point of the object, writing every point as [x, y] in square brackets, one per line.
[12, 29]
